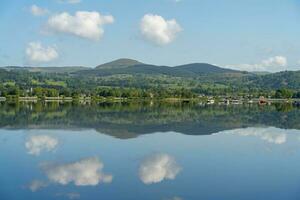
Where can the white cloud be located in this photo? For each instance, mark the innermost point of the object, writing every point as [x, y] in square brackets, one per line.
[158, 167]
[83, 24]
[36, 52]
[276, 63]
[38, 143]
[38, 11]
[35, 185]
[69, 1]
[158, 30]
[270, 135]
[86, 172]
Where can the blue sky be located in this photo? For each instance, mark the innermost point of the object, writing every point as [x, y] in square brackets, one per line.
[248, 34]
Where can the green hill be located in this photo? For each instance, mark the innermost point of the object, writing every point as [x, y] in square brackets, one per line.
[68, 69]
[199, 78]
[285, 79]
[200, 68]
[133, 67]
[120, 63]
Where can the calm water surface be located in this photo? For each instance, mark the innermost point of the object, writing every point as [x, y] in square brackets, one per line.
[149, 151]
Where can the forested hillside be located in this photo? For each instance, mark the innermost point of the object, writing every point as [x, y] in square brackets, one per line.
[131, 78]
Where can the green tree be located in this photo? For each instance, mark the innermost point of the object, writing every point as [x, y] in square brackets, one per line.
[283, 93]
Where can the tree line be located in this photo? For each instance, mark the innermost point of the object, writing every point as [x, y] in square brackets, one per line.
[159, 92]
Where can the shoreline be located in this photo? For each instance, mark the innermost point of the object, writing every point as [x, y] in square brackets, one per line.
[208, 100]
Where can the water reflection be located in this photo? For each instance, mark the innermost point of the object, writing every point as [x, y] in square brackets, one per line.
[36, 144]
[35, 185]
[158, 167]
[268, 134]
[69, 195]
[203, 150]
[174, 198]
[129, 120]
[84, 172]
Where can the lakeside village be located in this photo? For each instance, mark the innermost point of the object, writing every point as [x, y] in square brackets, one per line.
[202, 99]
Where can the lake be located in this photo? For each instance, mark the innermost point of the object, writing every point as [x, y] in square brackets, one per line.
[149, 151]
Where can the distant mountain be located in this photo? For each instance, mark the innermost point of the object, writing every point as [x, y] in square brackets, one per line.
[132, 73]
[132, 67]
[120, 63]
[261, 72]
[69, 69]
[198, 68]
[285, 79]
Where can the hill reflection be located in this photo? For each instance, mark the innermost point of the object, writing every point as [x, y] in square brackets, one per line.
[129, 120]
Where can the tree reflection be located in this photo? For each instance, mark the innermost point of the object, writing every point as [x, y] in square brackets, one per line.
[130, 119]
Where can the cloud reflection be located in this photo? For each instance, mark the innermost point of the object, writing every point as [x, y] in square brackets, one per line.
[158, 167]
[85, 172]
[37, 143]
[270, 134]
[35, 185]
[174, 198]
[70, 195]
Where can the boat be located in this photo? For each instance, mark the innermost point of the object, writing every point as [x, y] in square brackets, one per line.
[210, 101]
[262, 100]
